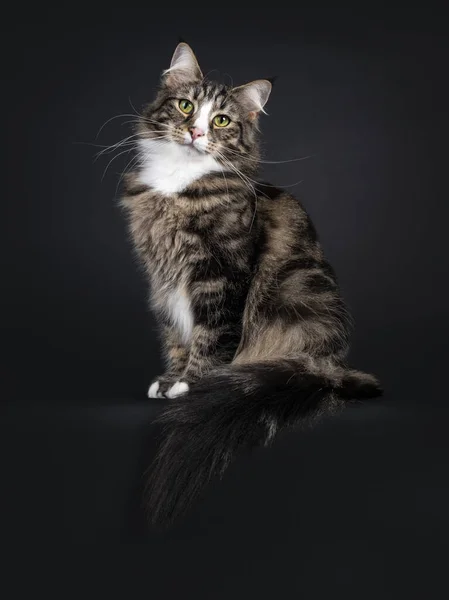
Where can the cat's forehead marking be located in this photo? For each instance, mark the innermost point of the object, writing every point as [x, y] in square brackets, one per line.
[210, 97]
[210, 92]
[204, 115]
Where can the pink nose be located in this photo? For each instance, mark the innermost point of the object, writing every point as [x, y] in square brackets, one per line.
[196, 132]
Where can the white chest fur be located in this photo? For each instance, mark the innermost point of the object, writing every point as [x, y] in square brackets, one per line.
[168, 167]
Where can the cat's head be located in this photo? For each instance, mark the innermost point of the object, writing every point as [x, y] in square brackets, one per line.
[204, 117]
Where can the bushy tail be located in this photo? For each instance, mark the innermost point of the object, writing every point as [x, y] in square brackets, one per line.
[237, 406]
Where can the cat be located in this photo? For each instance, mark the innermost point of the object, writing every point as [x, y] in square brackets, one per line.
[254, 328]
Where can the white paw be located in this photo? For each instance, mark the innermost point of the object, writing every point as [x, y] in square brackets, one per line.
[153, 391]
[177, 389]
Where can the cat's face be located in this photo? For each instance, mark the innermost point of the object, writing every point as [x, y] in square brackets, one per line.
[204, 117]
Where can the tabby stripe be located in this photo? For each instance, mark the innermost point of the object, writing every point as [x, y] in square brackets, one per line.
[319, 283]
[204, 192]
[306, 264]
[242, 141]
[135, 191]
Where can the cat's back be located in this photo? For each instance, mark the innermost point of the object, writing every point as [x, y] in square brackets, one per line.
[284, 218]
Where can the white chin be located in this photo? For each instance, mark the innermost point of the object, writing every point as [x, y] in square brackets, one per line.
[193, 149]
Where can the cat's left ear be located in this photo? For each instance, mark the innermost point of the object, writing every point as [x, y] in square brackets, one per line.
[253, 96]
[183, 68]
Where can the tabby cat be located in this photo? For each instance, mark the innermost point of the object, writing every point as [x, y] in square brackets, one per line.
[253, 326]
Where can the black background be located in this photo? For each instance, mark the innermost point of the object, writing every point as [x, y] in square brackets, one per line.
[360, 504]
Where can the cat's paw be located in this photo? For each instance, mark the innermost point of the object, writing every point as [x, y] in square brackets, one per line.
[177, 389]
[154, 391]
[167, 386]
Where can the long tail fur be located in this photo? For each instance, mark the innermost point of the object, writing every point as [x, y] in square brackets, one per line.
[234, 407]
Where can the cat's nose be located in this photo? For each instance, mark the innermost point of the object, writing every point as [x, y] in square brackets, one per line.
[196, 132]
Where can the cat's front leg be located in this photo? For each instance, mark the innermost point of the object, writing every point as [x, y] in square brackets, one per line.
[217, 304]
[177, 355]
[211, 347]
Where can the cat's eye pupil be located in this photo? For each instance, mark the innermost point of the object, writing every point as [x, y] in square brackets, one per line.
[222, 120]
[186, 106]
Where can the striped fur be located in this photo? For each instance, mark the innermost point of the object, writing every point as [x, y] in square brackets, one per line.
[252, 319]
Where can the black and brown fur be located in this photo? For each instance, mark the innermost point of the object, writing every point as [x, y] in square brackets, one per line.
[271, 330]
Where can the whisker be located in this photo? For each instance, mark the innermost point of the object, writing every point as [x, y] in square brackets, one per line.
[251, 181]
[93, 145]
[161, 139]
[148, 121]
[265, 184]
[248, 185]
[101, 145]
[226, 182]
[135, 121]
[283, 162]
[112, 146]
[131, 164]
[275, 186]
[133, 107]
[111, 119]
[124, 142]
[112, 159]
[269, 162]
[154, 122]
[140, 117]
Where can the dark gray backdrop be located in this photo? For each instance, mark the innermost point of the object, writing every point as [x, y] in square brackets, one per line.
[365, 93]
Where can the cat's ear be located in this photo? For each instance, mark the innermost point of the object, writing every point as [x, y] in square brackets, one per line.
[253, 96]
[183, 68]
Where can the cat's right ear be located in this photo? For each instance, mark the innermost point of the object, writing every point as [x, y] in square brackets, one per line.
[253, 96]
[183, 68]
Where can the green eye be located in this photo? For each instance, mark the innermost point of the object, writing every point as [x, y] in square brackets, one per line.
[221, 121]
[186, 106]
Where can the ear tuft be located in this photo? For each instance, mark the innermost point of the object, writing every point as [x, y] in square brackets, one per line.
[184, 67]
